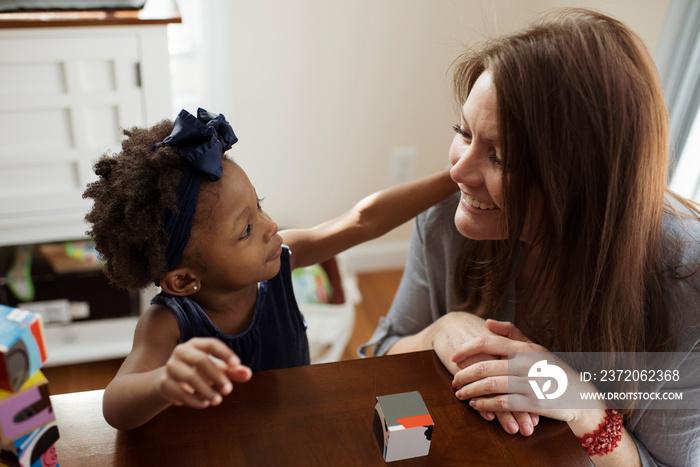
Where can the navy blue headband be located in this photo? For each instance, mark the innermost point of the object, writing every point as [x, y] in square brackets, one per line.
[202, 141]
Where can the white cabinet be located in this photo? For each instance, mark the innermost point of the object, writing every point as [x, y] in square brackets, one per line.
[65, 92]
[64, 95]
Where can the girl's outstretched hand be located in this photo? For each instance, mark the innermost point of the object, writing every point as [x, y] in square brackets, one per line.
[200, 372]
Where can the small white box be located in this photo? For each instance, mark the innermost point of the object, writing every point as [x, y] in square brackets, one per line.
[403, 426]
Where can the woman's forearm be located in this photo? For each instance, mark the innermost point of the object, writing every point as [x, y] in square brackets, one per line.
[414, 343]
[444, 335]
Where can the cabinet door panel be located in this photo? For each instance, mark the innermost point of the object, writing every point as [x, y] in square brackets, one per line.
[27, 79]
[63, 99]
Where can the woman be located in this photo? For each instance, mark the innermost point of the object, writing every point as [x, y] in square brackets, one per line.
[565, 228]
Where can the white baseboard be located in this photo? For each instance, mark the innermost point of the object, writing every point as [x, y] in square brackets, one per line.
[371, 257]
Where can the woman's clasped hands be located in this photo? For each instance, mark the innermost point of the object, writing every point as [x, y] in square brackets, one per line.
[501, 387]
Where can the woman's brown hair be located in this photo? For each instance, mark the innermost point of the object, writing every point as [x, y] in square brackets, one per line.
[584, 129]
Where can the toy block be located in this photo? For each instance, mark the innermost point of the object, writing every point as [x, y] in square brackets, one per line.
[33, 450]
[22, 346]
[403, 426]
[26, 410]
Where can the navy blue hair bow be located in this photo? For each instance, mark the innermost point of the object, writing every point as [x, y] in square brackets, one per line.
[202, 141]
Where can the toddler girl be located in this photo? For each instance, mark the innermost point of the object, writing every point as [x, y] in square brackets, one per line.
[172, 208]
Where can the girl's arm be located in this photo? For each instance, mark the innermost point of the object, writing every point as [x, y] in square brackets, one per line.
[159, 372]
[370, 218]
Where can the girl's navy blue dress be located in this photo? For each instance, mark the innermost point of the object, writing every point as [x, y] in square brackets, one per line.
[275, 339]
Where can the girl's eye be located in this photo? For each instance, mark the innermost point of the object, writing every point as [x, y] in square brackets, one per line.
[493, 157]
[260, 200]
[461, 131]
[246, 232]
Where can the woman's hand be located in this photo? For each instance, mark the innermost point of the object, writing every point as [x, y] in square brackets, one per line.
[454, 330]
[200, 372]
[496, 386]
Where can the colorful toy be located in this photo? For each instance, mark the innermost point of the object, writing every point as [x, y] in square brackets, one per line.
[26, 410]
[83, 250]
[19, 277]
[33, 450]
[28, 428]
[22, 346]
[311, 285]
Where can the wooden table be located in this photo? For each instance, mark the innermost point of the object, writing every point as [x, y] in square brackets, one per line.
[307, 416]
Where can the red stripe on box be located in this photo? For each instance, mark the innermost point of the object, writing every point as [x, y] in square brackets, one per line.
[416, 420]
[37, 331]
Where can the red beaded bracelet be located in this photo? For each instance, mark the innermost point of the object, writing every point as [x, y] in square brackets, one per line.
[606, 437]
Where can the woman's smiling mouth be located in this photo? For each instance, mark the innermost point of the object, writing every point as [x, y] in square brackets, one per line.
[476, 203]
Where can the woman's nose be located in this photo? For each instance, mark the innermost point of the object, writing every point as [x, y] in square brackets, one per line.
[466, 168]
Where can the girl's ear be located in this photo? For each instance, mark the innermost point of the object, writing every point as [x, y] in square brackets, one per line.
[180, 282]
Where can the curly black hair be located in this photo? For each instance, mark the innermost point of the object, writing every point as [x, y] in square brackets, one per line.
[134, 190]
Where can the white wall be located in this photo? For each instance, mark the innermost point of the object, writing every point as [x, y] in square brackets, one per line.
[319, 92]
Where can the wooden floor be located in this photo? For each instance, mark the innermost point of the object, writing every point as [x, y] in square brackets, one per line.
[377, 289]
